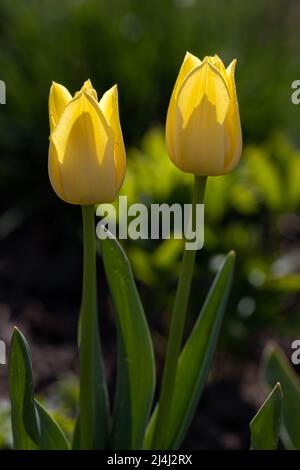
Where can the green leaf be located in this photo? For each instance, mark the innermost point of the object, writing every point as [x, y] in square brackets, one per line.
[195, 360]
[51, 436]
[265, 425]
[276, 368]
[287, 283]
[33, 427]
[136, 369]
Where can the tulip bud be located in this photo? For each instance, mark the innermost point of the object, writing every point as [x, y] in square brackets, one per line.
[87, 157]
[203, 129]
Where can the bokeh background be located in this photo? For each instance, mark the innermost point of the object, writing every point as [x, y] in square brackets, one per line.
[140, 45]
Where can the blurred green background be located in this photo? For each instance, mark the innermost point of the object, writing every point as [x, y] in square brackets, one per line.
[140, 45]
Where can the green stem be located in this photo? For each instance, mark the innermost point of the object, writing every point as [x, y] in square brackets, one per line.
[176, 329]
[93, 399]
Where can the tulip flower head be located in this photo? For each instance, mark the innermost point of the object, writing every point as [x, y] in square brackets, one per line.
[87, 157]
[203, 130]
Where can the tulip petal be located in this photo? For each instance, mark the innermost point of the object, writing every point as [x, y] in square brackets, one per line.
[89, 89]
[202, 105]
[190, 61]
[110, 108]
[218, 63]
[54, 170]
[84, 146]
[59, 97]
[233, 124]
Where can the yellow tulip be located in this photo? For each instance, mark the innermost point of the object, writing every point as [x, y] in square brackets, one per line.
[203, 129]
[87, 157]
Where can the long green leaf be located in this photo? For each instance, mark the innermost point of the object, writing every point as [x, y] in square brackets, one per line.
[265, 425]
[33, 427]
[136, 369]
[276, 368]
[195, 360]
[18, 367]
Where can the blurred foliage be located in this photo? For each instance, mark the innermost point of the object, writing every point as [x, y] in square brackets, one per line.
[252, 210]
[5, 425]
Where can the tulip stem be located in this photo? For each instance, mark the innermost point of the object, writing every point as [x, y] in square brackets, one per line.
[176, 330]
[93, 396]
